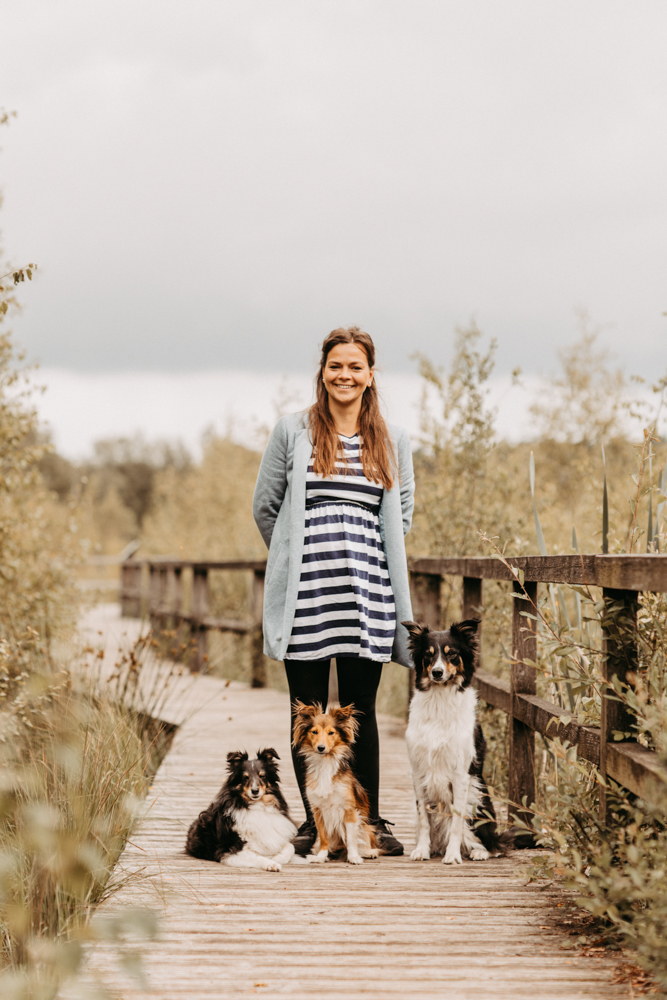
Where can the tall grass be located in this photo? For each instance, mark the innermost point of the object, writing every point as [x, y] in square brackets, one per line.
[76, 764]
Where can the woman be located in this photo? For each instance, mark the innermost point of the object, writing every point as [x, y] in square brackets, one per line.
[333, 500]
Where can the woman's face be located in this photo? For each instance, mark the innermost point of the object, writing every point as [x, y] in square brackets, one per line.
[346, 373]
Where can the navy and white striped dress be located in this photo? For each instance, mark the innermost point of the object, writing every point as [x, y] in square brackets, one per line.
[345, 605]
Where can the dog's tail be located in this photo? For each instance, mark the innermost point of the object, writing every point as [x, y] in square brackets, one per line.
[522, 839]
[516, 839]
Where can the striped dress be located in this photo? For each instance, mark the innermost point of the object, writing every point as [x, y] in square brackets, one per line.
[345, 605]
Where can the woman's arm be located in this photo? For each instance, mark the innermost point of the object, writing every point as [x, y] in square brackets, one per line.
[407, 479]
[271, 482]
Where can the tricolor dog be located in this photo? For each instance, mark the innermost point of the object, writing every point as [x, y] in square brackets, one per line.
[248, 824]
[446, 748]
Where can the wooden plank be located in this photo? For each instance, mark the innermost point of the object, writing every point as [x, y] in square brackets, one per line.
[545, 717]
[620, 649]
[521, 776]
[471, 607]
[220, 564]
[634, 766]
[632, 572]
[208, 622]
[130, 589]
[257, 661]
[426, 602]
[200, 601]
[493, 690]
[624, 572]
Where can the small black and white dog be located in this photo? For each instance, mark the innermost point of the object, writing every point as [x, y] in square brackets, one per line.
[446, 747]
[248, 823]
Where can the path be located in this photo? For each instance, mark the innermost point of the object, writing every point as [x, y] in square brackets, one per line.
[393, 928]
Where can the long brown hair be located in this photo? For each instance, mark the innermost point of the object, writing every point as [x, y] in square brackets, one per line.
[377, 453]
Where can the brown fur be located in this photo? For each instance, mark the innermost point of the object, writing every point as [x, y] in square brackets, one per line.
[335, 731]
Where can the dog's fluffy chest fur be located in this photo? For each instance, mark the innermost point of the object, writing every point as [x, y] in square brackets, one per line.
[441, 737]
[264, 829]
[322, 786]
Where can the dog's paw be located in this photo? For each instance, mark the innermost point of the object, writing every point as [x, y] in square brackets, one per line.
[273, 866]
[317, 859]
[420, 854]
[452, 857]
[355, 859]
[479, 854]
[372, 853]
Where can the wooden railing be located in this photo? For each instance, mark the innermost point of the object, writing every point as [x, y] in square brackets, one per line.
[620, 577]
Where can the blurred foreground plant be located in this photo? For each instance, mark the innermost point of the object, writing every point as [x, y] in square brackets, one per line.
[77, 760]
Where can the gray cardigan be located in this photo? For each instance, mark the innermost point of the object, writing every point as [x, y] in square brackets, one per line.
[279, 508]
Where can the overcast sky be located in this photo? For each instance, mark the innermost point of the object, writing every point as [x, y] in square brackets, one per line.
[216, 184]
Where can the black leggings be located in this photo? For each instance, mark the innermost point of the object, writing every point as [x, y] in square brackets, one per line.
[358, 681]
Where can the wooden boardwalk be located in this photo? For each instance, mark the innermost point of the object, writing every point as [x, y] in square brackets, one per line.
[392, 928]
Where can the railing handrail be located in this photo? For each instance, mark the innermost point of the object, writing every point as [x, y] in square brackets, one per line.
[621, 572]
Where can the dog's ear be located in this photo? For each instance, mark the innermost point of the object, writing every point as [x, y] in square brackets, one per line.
[342, 711]
[466, 631]
[234, 758]
[345, 721]
[306, 711]
[416, 633]
[303, 718]
[268, 755]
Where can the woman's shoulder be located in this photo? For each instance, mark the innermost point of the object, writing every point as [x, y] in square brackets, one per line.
[398, 434]
[290, 424]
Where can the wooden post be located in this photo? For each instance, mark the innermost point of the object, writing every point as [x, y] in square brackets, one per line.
[522, 737]
[620, 650]
[471, 607]
[176, 607]
[425, 593]
[153, 593]
[130, 589]
[200, 603]
[257, 662]
[426, 608]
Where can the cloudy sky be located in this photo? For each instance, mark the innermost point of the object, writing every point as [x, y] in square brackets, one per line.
[211, 186]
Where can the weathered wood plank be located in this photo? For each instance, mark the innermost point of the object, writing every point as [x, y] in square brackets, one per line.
[622, 572]
[521, 772]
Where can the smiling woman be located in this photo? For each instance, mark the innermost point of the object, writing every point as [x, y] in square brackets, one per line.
[333, 500]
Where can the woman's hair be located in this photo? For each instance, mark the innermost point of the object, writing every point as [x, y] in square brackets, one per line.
[377, 454]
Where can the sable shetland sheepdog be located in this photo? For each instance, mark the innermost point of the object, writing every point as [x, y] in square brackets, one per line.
[446, 747]
[339, 803]
[248, 824]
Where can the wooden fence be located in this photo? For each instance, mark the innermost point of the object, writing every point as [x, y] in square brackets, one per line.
[621, 578]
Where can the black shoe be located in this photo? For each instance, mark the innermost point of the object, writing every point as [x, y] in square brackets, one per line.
[305, 838]
[386, 841]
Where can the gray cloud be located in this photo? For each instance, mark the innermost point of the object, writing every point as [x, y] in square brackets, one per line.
[219, 184]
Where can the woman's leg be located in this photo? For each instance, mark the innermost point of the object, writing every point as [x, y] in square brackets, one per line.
[308, 681]
[358, 682]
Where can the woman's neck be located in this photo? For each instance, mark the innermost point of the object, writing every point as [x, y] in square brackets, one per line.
[346, 418]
